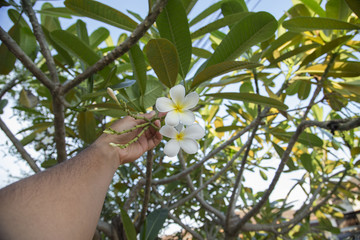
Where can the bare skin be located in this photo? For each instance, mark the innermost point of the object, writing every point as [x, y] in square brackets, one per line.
[65, 201]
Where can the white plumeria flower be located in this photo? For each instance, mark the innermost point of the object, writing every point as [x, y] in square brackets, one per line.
[184, 139]
[51, 130]
[47, 140]
[178, 107]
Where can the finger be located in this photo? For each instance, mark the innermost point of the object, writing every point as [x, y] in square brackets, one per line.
[148, 115]
[162, 114]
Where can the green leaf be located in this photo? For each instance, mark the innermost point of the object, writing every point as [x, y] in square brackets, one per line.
[153, 91]
[326, 48]
[301, 24]
[86, 126]
[337, 9]
[49, 22]
[313, 5]
[307, 162]
[339, 69]
[225, 21]
[163, 58]
[352, 86]
[251, 97]
[128, 225]
[28, 139]
[28, 42]
[57, 12]
[7, 59]
[3, 103]
[249, 31]
[202, 53]
[101, 12]
[61, 51]
[305, 138]
[49, 163]
[355, 6]
[304, 89]
[280, 42]
[280, 151]
[207, 12]
[173, 25]
[221, 68]
[137, 60]
[228, 128]
[82, 32]
[292, 53]
[98, 36]
[233, 6]
[263, 175]
[154, 222]
[79, 49]
[189, 4]
[16, 18]
[103, 92]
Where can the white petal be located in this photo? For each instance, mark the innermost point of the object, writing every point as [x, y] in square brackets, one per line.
[187, 117]
[177, 94]
[172, 118]
[194, 131]
[164, 104]
[168, 131]
[191, 100]
[190, 146]
[172, 148]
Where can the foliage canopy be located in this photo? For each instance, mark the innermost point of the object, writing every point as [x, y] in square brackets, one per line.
[278, 96]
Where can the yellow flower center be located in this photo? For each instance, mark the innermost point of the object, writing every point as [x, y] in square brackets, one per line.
[179, 108]
[179, 136]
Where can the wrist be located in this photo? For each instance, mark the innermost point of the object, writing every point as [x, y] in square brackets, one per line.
[105, 152]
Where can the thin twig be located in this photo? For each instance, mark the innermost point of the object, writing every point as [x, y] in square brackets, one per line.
[201, 200]
[25, 155]
[212, 179]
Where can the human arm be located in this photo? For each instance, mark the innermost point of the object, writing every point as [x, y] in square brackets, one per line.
[65, 201]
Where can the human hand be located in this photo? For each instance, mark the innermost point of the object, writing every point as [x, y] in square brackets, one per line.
[148, 140]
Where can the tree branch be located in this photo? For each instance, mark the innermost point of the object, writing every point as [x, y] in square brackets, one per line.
[106, 228]
[39, 34]
[25, 155]
[60, 134]
[212, 179]
[301, 214]
[336, 125]
[120, 50]
[285, 156]
[9, 85]
[133, 192]
[202, 201]
[239, 176]
[28, 63]
[149, 165]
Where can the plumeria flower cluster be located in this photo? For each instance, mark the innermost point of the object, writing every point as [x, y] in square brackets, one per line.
[180, 124]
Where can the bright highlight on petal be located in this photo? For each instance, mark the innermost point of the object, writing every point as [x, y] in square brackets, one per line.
[178, 107]
[184, 139]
